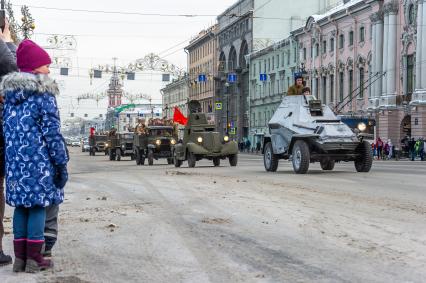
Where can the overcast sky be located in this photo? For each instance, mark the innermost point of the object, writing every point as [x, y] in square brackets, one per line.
[102, 36]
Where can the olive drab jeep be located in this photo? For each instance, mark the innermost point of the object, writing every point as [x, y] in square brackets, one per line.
[97, 143]
[155, 143]
[202, 141]
[120, 145]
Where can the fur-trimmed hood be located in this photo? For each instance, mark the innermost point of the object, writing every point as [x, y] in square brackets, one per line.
[18, 86]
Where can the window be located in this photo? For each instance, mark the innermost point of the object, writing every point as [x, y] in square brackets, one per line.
[341, 41]
[273, 62]
[361, 83]
[351, 38]
[362, 34]
[341, 86]
[295, 55]
[411, 14]
[324, 47]
[278, 61]
[282, 59]
[331, 44]
[269, 64]
[410, 74]
[317, 87]
[351, 83]
[324, 89]
[288, 57]
[331, 88]
[304, 53]
[316, 50]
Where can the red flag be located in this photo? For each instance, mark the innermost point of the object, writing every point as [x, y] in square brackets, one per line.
[92, 131]
[179, 118]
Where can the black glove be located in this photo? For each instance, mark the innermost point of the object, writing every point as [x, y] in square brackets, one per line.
[61, 176]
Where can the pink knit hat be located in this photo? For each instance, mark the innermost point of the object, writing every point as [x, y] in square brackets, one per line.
[30, 56]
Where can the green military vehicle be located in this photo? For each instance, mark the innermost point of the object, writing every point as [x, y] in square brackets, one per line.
[97, 143]
[201, 141]
[120, 145]
[156, 143]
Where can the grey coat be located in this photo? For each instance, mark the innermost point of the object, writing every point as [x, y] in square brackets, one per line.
[7, 65]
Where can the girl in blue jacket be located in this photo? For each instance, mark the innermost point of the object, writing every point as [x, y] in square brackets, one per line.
[35, 153]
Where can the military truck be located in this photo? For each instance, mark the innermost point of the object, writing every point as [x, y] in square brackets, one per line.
[97, 143]
[120, 145]
[156, 143]
[304, 130]
[201, 141]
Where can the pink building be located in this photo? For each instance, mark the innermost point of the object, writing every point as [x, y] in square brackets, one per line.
[363, 53]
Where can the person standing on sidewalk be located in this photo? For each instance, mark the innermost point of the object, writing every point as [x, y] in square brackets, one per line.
[412, 149]
[7, 65]
[36, 155]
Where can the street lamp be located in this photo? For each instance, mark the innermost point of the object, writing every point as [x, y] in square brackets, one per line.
[227, 107]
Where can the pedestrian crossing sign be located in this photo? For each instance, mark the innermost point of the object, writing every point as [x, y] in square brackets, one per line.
[232, 131]
[218, 105]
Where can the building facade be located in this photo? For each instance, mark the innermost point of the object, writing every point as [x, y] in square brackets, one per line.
[246, 27]
[235, 41]
[335, 50]
[202, 62]
[400, 47]
[175, 94]
[271, 73]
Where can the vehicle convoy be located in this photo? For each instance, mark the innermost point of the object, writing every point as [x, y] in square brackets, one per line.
[304, 130]
[155, 143]
[201, 141]
[120, 145]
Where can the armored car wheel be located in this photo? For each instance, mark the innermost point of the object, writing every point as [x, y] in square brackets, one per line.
[111, 155]
[138, 157]
[150, 158]
[192, 159]
[327, 165]
[118, 157]
[106, 152]
[216, 161]
[177, 162]
[301, 157]
[364, 161]
[233, 160]
[170, 161]
[270, 160]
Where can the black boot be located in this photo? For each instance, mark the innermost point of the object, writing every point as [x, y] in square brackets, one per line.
[5, 259]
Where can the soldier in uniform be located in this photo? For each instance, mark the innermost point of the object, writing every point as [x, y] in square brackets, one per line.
[298, 87]
[140, 127]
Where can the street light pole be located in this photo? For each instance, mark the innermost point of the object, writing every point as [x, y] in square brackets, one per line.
[227, 107]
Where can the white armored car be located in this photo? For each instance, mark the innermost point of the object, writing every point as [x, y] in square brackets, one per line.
[304, 130]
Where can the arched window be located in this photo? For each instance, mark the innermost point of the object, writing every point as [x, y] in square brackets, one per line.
[411, 14]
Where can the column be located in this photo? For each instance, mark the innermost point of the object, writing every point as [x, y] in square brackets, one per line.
[379, 58]
[423, 47]
[373, 61]
[385, 54]
[420, 29]
[391, 55]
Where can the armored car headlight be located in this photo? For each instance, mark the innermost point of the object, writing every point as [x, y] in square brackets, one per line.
[106, 144]
[226, 138]
[173, 141]
[200, 139]
[362, 127]
[158, 142]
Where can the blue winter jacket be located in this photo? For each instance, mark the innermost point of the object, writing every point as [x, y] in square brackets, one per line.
[34, 146]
